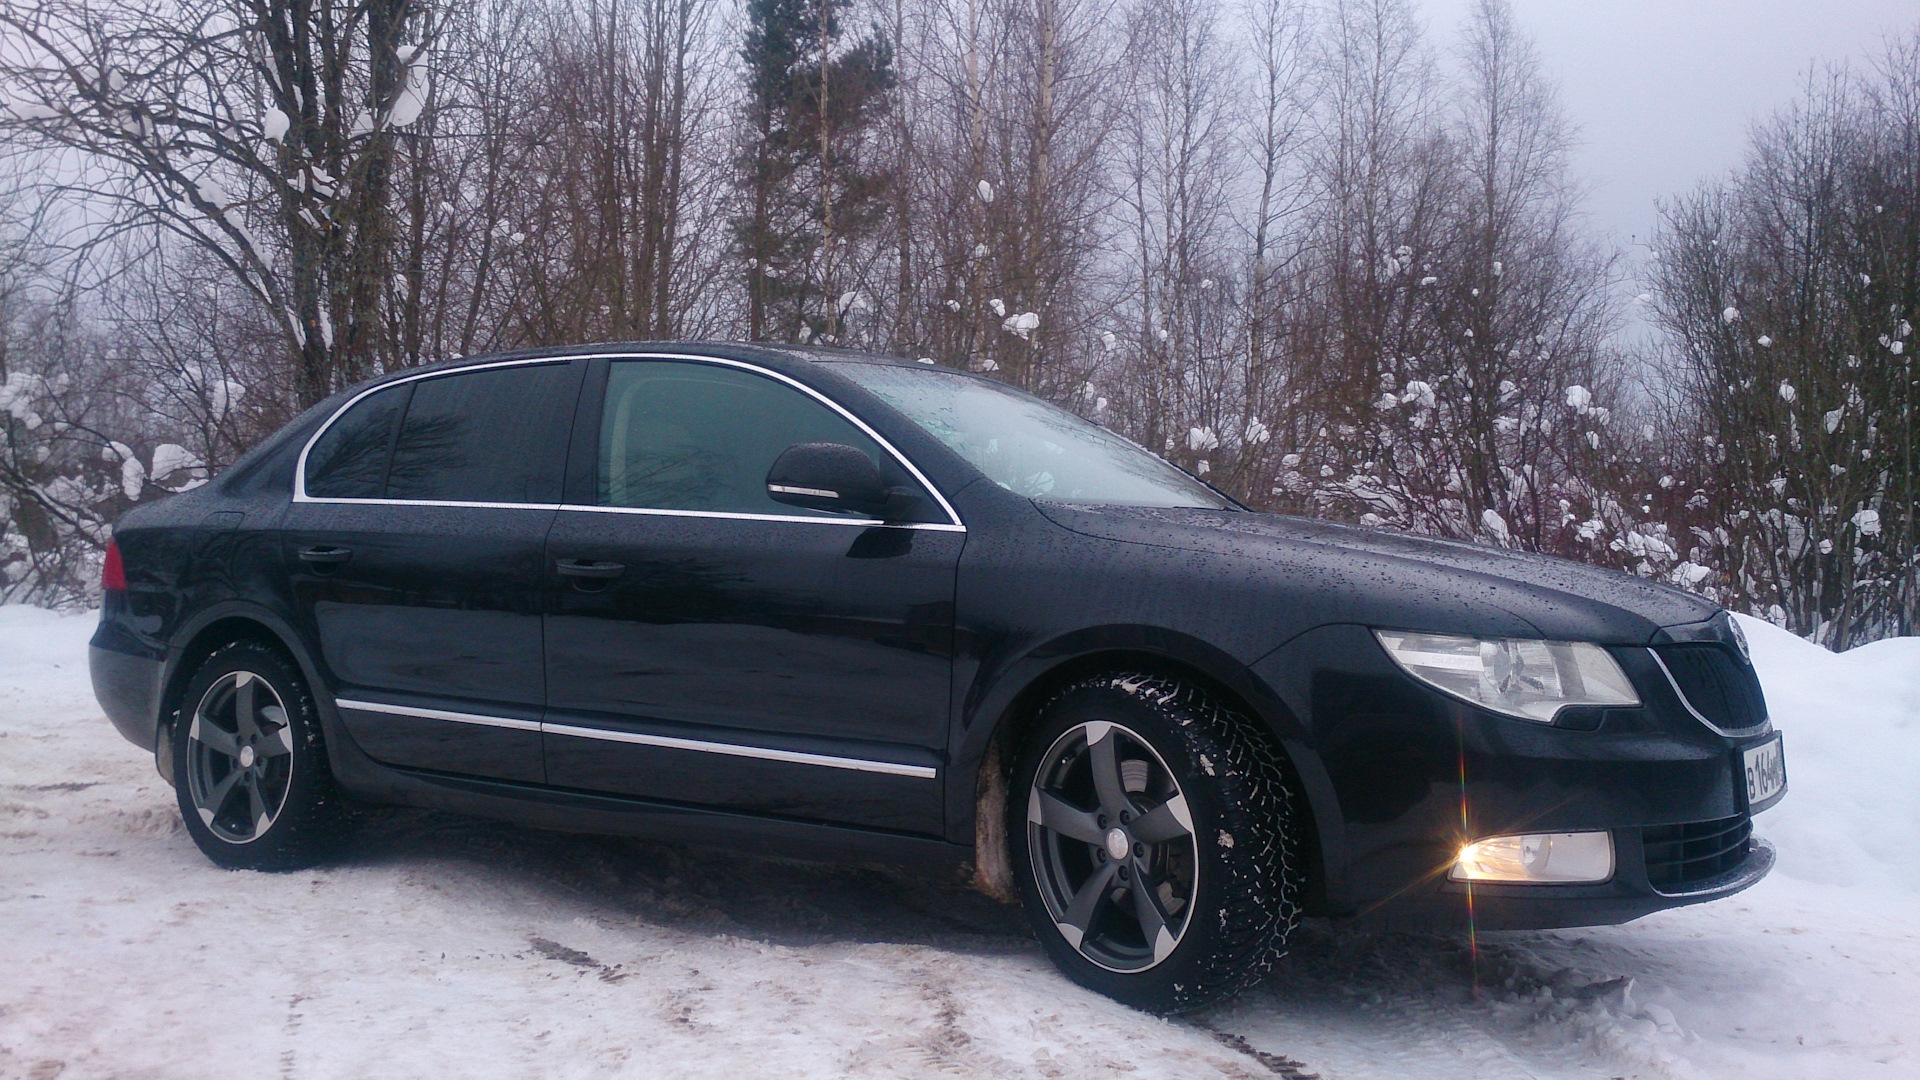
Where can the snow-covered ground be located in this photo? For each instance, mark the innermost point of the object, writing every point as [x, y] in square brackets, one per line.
[442, 946]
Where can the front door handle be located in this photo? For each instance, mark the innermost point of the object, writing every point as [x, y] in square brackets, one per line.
[589, 568]
[325, 556]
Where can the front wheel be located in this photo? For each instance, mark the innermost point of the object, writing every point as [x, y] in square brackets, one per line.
[1153, 839]
[250, 764]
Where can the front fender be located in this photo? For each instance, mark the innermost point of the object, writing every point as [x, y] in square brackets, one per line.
[996, 690]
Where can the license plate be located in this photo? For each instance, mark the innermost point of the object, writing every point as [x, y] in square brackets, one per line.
[1766, 769]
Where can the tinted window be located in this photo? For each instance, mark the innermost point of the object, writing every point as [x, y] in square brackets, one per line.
[350, 459]
[677, 436]
[485, 436]
[1028, 446]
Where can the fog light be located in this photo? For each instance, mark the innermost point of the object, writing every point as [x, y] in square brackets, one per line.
[1537, 858]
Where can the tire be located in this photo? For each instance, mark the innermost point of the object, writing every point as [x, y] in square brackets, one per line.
[1195, 800]
[250, 764]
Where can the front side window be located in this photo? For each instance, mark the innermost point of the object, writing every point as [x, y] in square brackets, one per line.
[689, 436]
[496, 435]
[1028, 446]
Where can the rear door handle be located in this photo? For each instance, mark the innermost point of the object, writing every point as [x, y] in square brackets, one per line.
[588, 568]
[325, 556]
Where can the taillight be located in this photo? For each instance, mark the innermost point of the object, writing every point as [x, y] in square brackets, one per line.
[113, 576]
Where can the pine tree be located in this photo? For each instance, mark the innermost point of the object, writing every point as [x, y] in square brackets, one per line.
[812, 190]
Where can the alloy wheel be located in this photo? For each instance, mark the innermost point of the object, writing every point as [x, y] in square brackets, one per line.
[1112, 843]
[239, 757]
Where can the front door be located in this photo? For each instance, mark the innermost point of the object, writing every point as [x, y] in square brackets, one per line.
[707, 645]
[416, 547]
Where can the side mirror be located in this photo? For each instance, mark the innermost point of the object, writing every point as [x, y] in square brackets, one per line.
[827, 476]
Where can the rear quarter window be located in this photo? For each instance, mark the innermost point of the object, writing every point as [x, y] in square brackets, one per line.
[349, 460]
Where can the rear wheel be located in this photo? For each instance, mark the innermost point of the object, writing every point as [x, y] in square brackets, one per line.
[250, 763]
[1152, 837]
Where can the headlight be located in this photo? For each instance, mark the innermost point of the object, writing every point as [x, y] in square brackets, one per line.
[1520, 677]
[1537, 858]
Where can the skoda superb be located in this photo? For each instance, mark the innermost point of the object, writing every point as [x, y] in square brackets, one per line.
[832, 605]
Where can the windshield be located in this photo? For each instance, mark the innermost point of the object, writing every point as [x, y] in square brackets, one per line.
[1027, 446]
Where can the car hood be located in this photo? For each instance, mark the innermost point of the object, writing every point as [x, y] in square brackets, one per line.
[1400, 579]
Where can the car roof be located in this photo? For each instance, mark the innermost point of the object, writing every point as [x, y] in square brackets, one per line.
[763, 352]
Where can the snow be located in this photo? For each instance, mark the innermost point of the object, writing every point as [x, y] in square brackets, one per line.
[170, 457]
[133, 477]
[412, 99]
[986, 191]
[1579, 398]
[274, 125]
[443, 946]
[211, 191]
[1022, 325]
[1495, 525]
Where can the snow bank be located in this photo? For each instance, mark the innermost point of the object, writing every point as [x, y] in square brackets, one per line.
[1852, 726]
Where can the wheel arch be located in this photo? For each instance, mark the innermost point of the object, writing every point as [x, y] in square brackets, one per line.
[991, 734]
[201, 636]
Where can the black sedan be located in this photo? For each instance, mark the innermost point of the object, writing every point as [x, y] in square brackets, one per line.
[827, 605]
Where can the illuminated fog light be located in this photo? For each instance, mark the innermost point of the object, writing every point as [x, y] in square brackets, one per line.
[1537, 858]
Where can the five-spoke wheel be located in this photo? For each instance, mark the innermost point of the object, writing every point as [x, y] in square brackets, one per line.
[239, 757]
[250, 763]
[1112, 845]
[1152, 836]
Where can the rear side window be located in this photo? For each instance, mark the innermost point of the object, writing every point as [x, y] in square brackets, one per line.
[350, 459]
[492, 436]
[495, 436]
[683, 436]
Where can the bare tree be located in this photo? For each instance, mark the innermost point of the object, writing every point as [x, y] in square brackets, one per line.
[261, 131]
[1181, 365]
[1789, 297]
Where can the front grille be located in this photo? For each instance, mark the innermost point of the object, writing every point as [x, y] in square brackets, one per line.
[1679, 856]
[1716, 684]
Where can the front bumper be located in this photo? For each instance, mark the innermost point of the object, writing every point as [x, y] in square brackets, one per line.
[1400, 777]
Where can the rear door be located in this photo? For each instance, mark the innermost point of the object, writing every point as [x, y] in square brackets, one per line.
[735, 652]
[415, 544]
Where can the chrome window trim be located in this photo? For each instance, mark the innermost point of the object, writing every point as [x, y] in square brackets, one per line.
[432, 502]
[1730, 733]
[952, 524]
[890, 768]
[439, 714]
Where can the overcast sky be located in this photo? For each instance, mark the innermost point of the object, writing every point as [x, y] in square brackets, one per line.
[1663, 91]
